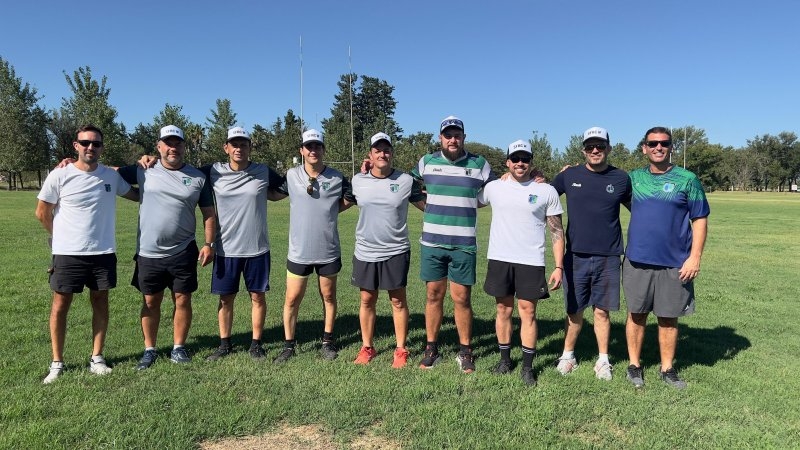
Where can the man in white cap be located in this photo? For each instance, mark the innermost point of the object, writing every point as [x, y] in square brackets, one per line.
[520, 209]
[452, 178]
[383, 251]
[315, 195]
[241, 189]
[77, 206]
[594, 192]
[167, 254]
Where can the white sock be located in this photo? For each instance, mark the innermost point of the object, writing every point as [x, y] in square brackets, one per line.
[568, 355]
[603, 357]
[147, 349]
[97, 358]
[176, 346]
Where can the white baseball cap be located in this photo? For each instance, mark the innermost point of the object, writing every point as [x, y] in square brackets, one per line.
[237, 132]
[170, 130]
[312, 135]
[519, 146]
[380, 137]
[596, 133]
[451, 121]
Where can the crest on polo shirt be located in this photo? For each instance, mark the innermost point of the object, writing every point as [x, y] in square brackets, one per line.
[394, 187]
[325, 185]
[532, 199]
[610, 188]
[108, 187]
[187, 181]
[669, 187]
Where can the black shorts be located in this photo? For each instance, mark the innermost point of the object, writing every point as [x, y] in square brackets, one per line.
[70, 273]
[177, 272]
[504, 279]
[388, 274]
[330, 269]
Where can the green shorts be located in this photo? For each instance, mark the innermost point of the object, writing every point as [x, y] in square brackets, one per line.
[437, 263]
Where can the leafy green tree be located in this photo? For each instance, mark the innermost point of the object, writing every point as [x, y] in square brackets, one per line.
[89, 103]
[573, 152]
[145, 136]
[222, 118]
[543, 157]
[496, 157]
[23, 127]
[278, 146]
[780, 154]
[408, 150]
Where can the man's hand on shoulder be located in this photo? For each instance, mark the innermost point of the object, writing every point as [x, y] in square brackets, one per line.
[147, 161]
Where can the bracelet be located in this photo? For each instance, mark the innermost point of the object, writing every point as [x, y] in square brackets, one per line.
[559, 267]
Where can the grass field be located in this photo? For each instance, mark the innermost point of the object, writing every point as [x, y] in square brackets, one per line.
[739, 354]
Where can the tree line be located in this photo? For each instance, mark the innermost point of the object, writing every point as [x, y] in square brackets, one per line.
[32, 139]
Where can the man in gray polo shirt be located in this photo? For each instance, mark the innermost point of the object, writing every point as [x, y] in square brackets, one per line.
[383, 250]
[166, 247]
[315, 194]
[241, 189]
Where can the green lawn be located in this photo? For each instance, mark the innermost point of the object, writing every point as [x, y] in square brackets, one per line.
[739, 354]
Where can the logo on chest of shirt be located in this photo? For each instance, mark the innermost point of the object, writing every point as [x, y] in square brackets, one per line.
[468, 172]
[108, 187]
[187, 181]
[576, 185]
[669, 187]
[610, 188]
[325, 185]
[532, 199]
[394, 187]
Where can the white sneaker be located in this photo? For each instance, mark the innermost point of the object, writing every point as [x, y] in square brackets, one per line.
[56, 369]
[602, 370]
[566, 365]
[99, 367]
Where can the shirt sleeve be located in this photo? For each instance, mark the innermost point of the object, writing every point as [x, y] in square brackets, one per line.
[347, 189]
[51, 188]
[275, 180]
[128, 173]
[122, 186]
[206, 195]
[416, 191]
[558, 183]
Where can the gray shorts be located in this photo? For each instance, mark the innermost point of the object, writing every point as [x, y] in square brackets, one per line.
[656, 289]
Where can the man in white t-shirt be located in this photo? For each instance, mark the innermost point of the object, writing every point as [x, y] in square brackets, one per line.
[520, 209]
[77, 207]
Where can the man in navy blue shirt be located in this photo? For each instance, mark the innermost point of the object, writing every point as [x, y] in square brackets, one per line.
[594, 192]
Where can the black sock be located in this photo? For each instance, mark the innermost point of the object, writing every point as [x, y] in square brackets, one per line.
[225, 342]
[327, 337]
[289, 343]
[505, 351]
[465, 349]
[527, 356]
[433, 345]
[255, 343]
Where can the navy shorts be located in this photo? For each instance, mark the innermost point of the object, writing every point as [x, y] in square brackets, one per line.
[228, 270]
[591, 280]
[504, 279]
[177, 272]
[70, 273]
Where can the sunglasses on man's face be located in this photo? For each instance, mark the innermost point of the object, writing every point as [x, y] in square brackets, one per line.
[86, 144]
[654, 144]
[522, 159]
[590, 147]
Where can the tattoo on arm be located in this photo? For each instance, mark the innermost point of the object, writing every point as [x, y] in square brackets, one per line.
[556, 228]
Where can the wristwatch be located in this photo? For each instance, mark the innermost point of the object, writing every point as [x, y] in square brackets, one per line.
[209, 244]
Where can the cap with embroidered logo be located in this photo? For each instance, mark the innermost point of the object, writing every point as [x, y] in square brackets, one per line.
[451, 121]
[312, 135]
[380, 137]
[519, 146]
[237, 132]
[595, 133]
[170, 130]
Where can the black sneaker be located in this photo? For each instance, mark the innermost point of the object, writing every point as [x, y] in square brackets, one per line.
[502, 368]
[284, 355]
[329, 351]
[257, 352]
[221, 352]
[147, 360]
[180, 356]
[528, 376]
[635, 376]
[671, 378]
[430, 358]
[466, 362]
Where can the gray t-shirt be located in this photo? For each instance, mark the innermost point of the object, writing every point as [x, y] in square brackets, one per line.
[167, 223]
[382, 230]
[314, 219]
[241, 200]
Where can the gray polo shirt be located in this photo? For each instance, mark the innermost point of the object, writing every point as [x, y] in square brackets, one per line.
[241, 200]
[382, 230]
[314, 219]
[167, 223]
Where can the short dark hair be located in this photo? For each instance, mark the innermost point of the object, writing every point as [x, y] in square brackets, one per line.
[88, 127]
[663, 130]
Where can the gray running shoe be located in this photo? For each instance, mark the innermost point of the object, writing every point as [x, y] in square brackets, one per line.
[635, 376]
[180, 356]
[99, 367]
[528, 376]
[284, 355]
[503, 367]
[329, 351]
[147, 360]
[671, 378]
[465, 361]
[430, 358]
[221, 352]
[56, 369]
[602, 370]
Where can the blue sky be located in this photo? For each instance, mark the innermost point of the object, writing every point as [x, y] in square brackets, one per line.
[506, 68]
